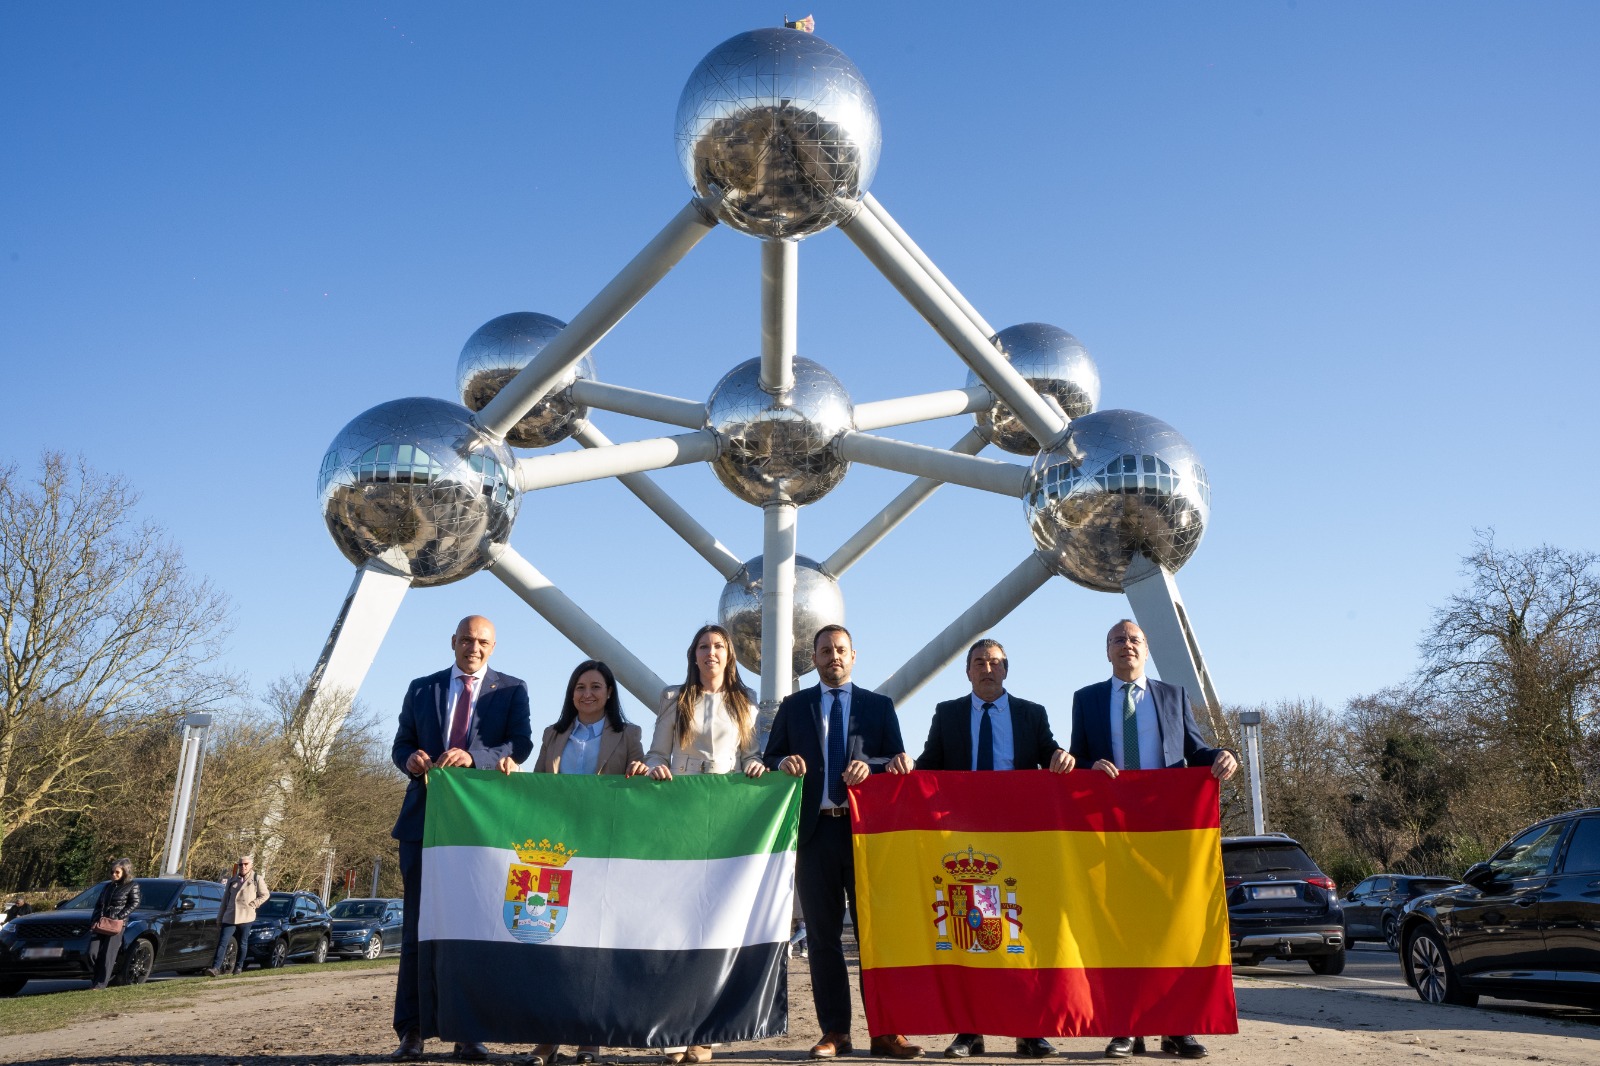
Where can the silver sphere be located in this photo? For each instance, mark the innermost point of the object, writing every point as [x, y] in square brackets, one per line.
[817, 603]
[1119, 485]
[417, 481]
[493, 355]
[779, 129]
[780, 448]
[1055, 365]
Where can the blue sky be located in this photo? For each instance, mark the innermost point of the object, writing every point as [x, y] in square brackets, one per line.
[1352, 251]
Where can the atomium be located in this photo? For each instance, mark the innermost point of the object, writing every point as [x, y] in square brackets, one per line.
[493, 355]
[1122, 484]
[779, 448]
[1055, 365]
[416, 478]
[817, 603]
[778, 130]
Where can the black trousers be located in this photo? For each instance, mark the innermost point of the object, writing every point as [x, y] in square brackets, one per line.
[825, 876]
[407, 1008]
[103, 956]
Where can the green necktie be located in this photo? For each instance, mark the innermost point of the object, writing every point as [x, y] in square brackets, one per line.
[1130, 728]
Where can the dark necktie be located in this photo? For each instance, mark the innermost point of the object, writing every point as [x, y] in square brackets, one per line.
[986, 740]
[1130, 728]
[461, 719]
[836, 791]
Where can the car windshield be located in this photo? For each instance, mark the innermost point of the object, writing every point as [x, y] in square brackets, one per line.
[1255, 859]
[153, 895]
[358, 908]
[276, 907]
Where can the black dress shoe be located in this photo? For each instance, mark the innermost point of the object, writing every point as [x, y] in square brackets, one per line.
[1122, 1047]
[1185, 1046]
[965, 1045]
[410, 1049]
[1034, 1047]
[471, 1051]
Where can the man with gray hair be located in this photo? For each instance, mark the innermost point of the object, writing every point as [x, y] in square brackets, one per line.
[242, 892]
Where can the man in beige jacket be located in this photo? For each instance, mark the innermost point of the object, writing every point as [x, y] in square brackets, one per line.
[242, 893]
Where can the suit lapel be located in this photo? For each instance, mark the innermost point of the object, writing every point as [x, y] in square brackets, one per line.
[1100, 718]
[1163, 706]
[960, 738]
[609, 740]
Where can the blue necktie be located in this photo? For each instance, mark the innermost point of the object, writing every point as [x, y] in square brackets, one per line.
[985, 740]
[836, 791]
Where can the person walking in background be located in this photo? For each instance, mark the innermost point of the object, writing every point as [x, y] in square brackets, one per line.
[706, 726]
[118, 899]
[833, 735]
[590, 736]
[242, 892]
[1132, 722]
[468, 715]
[990, 729]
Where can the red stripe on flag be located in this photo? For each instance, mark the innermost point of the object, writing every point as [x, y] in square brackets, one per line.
[1137, 801]
[1191, 1000]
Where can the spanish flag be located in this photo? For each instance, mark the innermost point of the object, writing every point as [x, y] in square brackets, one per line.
[1025, 903]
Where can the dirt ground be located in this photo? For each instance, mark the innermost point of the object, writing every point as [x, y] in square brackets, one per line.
[322, 1015]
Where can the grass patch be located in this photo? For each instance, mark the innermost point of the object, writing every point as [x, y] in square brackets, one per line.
[37, 1014]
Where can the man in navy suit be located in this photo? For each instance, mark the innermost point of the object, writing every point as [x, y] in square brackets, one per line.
[468, 715]
[1136, 723]
[990, 729]
[834, 735]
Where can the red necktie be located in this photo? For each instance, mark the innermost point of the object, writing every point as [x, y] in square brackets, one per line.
[460, 720]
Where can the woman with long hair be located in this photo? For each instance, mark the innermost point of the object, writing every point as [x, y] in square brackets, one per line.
[590, 736]
[117, 901]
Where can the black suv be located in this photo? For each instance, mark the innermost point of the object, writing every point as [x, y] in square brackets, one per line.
[289, 925]
[1524, 925]
[1372, 909]
[366, 928]
[1280, 905]
[174, 928]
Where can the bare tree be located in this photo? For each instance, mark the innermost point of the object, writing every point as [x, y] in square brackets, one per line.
[101, 625]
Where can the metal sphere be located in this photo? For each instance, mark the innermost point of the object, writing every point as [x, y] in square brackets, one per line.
[1119, 485]
[780, 448]
[1056, 365]
[817, 603]
[417, 481]
[778, 129]
[493, 355]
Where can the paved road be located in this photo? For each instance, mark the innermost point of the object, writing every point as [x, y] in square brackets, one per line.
[1374, 970]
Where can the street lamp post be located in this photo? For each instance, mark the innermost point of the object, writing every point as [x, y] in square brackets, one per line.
[191, 761]
[1250, 722]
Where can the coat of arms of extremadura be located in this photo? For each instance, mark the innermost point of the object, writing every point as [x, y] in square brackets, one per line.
[973, 913]
[538, 891]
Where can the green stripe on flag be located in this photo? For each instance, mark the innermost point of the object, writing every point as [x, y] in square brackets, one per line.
[696, 816]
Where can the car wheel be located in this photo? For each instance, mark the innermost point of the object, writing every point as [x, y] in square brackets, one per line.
[1327, 965]
[1435, 976]
[137, 962]
[1391, 932]
[374, 947]
[321, 954]
[10, 986]
[279, 956]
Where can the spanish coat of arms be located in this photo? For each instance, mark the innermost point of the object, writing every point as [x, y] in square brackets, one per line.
[972, 913]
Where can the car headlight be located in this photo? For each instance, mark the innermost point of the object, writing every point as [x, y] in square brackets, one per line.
[262, 934]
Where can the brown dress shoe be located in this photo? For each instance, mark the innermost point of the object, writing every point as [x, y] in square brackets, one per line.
[894, 1046]
[832, 1045]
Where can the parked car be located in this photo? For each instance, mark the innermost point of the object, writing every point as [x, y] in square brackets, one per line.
[1280, 905]
[1524, 925]
[174, 928]
[1372, 909]
[366, 928]
[289, 925]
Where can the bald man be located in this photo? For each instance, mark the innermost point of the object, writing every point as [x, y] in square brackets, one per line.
[468, 715]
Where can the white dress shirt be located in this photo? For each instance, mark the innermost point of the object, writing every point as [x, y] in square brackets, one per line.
[827, 708]
[1144, 712]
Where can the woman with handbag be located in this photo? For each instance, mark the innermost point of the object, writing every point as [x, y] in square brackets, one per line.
[705, 726]
[118, 899]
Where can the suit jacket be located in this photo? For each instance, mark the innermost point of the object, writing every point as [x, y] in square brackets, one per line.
[501, 726]
[872, 735]
[949, 745]
[1181, 742]
[617, 750]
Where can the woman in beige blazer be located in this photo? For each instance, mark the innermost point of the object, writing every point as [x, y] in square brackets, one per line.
[590, 737]
[705, 726]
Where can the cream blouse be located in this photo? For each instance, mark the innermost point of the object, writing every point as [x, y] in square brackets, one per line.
[713, 745]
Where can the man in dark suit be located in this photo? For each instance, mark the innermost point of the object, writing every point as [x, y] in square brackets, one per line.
[468, 715]
[834, 735]
[1136, 723]
[990, 729]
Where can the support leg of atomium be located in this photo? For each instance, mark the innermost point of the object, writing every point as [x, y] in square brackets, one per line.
[1153, 595]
